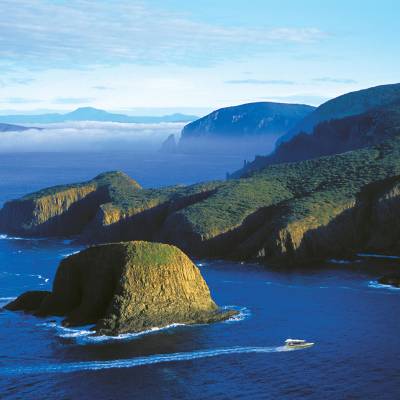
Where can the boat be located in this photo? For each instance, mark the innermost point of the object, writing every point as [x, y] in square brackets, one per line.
[297, 344]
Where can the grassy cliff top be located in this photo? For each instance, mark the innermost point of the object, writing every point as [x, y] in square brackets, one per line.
[304, 188]
[313, 189]
[119, 185]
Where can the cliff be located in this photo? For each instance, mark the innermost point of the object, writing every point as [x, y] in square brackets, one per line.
[346, 105]
[285, 213]
[64, 210]
[251, 127]
[333, 137]
[126, 287]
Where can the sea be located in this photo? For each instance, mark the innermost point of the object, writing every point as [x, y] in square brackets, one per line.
[353, 321]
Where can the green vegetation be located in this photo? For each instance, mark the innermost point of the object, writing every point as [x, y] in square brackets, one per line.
[315, 187]
[279, 203]
[120, 186]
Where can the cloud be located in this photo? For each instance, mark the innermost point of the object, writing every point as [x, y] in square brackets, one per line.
[20, 100]
[89, 136]
[327, 79]
[80, 33]
[73, 100]
[102, 88]
[259, 82]
[15, 81]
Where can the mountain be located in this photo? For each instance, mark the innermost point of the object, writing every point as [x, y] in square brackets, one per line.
[12, 128]
[328, 207]
[349, 104]
[92, 114]
[253, 125]
[333, 137]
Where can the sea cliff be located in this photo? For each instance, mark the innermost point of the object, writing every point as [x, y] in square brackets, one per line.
[126, 287]
[287, 213]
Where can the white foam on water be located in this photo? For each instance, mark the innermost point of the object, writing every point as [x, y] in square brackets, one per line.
[6, 237]
[6, 300]
[378, 256]
[336, 261]
[86, 334]
[139, 361]
[244, 313]
[377, 285]
[38, 276]
[69, 254]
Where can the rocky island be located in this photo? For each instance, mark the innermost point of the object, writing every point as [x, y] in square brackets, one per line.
[126, 287]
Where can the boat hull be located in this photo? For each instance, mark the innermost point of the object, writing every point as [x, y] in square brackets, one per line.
[299, 346]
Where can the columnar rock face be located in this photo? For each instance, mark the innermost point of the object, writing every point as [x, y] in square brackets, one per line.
[126, 287]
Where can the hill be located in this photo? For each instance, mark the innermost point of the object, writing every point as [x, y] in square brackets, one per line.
[333, 137]
[13, 128]
[92, 114]
[349, 104]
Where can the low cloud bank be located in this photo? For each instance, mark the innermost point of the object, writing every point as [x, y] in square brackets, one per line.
[89, 136]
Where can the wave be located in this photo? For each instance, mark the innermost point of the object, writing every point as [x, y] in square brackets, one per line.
[6, 300]
[69, 254]
[38, 276]
[377, 285]
[383, 256]
[138, 361]
[244, 313]
[3, 236]
[86, 335]
[337, 261]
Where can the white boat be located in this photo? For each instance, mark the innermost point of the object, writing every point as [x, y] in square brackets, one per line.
[297, 343]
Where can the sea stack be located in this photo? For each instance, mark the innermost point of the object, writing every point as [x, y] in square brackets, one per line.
[126, 287]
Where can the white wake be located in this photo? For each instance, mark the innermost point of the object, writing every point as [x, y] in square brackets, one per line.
[138, 361]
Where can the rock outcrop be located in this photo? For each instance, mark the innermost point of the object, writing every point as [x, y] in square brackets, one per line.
[169, 145]
[126, 287]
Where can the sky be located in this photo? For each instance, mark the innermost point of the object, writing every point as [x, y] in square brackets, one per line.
[161, 56]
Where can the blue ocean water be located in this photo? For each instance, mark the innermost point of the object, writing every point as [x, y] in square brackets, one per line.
[354, 322]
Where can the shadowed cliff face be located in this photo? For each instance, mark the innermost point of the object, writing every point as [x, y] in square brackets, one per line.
[126, 287]
[346, 105]
[333, 137]
[243, 129]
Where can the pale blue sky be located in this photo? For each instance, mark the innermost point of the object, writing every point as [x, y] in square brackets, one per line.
[162, 55]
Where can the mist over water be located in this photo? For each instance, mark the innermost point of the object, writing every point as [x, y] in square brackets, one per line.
[89, 136]
[245, 146]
